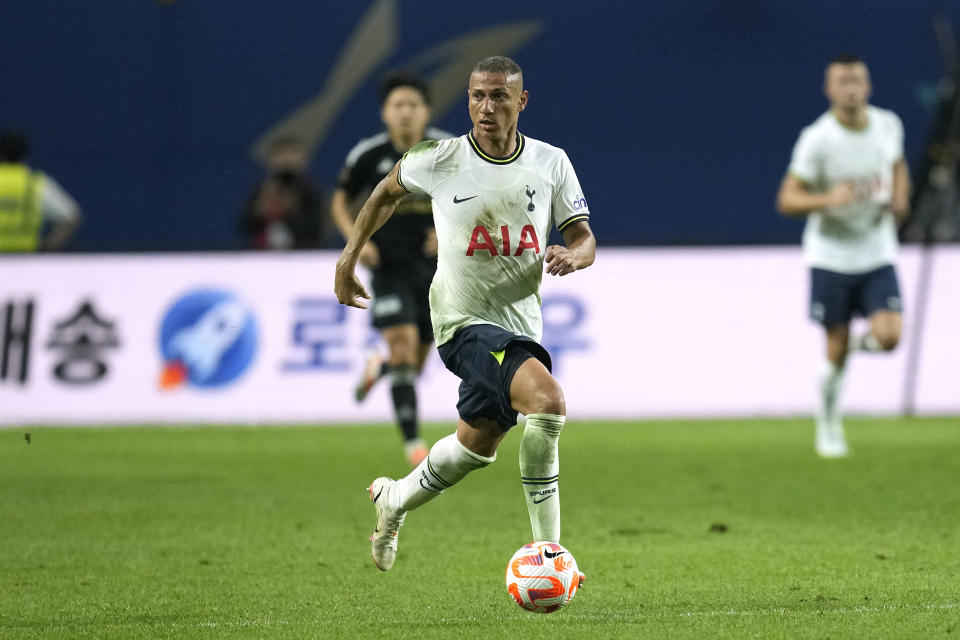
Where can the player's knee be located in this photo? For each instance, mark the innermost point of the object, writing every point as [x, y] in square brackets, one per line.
[402, 355]
[548, 398]
[403, 362]
[888, 340]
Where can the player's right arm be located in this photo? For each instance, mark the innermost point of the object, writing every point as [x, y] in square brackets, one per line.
[342, 214]
[795, 199]
[375, 211]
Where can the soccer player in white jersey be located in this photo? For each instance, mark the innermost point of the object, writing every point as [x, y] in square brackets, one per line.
[496, 194]
[848, 177]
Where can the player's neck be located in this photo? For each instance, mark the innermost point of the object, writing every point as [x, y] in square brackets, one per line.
[497, 147]
[855, 119]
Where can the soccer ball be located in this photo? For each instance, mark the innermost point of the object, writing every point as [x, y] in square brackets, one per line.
[542, 577]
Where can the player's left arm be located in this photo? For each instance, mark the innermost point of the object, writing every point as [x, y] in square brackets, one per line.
[900, 196]
[579, 252]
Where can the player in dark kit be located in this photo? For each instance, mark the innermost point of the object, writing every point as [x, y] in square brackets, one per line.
[402, 254]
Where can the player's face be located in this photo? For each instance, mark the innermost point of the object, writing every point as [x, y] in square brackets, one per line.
[405, 113]
[288, 158]
[848, 85]
[495, 103]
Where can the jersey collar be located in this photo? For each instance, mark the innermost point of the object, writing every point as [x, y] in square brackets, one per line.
[492, 160]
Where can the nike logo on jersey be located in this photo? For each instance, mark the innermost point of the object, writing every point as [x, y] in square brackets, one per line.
[458, 201]
[550, 555]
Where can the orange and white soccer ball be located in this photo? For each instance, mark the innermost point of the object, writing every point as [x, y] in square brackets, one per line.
[542, 577]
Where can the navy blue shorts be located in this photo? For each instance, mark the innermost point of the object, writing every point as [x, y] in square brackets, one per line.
[835, 298]
[485, 358]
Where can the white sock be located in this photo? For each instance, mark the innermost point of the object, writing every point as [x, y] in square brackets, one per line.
[867, 342]
[447, 464]
[540, 473]
[829, 384]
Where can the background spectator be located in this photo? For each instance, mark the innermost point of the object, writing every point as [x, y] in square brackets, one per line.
[36, 214]
[286, 210]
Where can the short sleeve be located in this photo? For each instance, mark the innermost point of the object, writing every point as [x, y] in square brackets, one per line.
[57, 205]
[898, 129]
[804, 163]
[348, 180]
[351, 176]
[415, 173]
[569, 203]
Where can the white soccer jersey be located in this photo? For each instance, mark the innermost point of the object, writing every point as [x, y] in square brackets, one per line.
[861, 236]
[493, 217]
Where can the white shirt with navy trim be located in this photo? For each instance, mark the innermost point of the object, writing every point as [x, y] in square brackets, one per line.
[493, 218]
[861, 236]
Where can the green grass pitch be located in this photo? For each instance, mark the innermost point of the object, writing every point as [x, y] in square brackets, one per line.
[700, 529]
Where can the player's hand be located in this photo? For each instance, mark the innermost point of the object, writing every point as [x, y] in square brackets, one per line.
[842, 194]
[559, 260]
[347, 286]
[430, 243]
[370, 256]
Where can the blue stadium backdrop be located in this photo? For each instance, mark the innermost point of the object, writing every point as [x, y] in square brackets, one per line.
[679, 116]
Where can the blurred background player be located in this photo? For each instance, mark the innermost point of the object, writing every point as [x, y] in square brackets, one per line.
[36, 214]
[285, 210]
[496, 194]
[849, 178]
[402, 254]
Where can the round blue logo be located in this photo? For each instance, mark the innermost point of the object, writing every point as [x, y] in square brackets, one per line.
[208, 339]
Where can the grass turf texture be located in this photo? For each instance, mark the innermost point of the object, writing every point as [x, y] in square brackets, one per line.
[685, 529]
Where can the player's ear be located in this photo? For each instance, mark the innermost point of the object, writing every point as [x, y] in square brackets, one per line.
[524, 96]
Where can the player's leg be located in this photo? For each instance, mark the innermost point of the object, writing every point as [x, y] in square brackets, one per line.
[384, 311]
[374, 368]
[536, 394]
[403, 366]
[424, 322]
[831, 441]
[423, 353]
[880, 301]
[831, 306]
[886, 328]
[471, 447]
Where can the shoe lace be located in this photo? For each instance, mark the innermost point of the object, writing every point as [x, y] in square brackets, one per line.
[393, 523]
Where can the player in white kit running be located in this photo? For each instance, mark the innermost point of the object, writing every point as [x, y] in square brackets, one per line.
[496, 195]
[849, 178]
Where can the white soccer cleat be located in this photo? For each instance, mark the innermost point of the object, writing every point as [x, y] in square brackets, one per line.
[832, 449]
[830, 440]
[371, 373]
[832, 445]
[384, 539]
